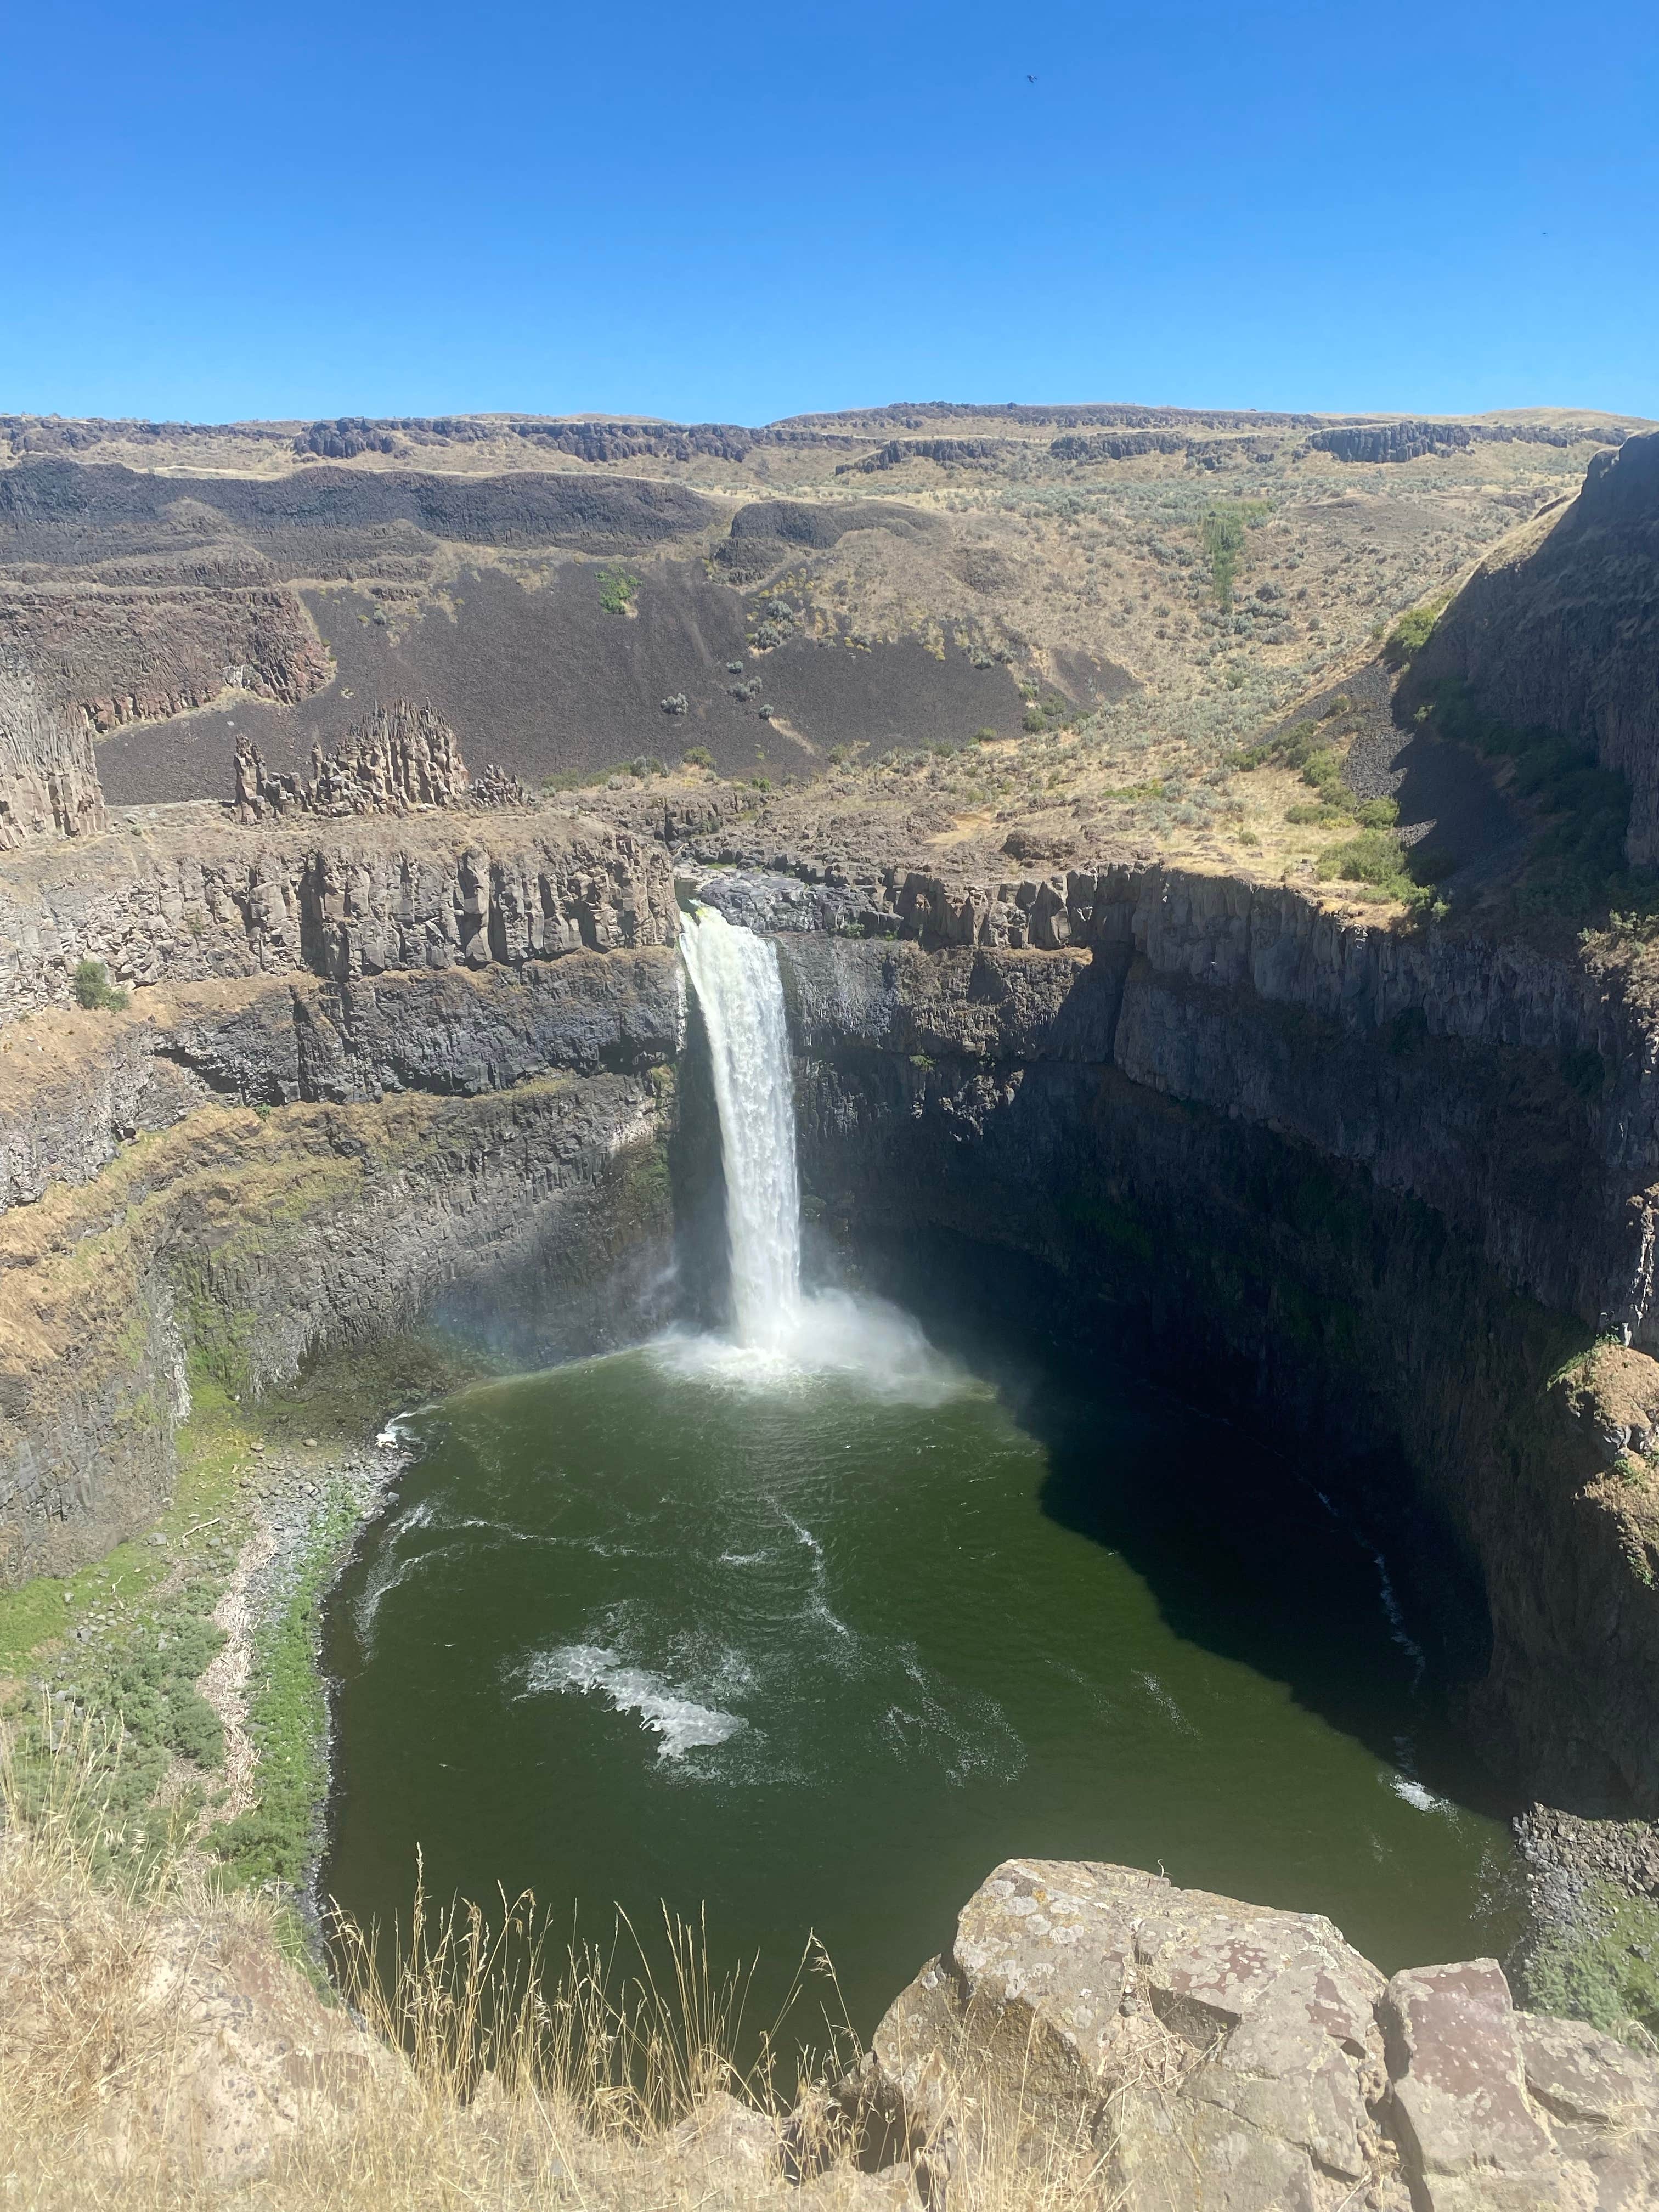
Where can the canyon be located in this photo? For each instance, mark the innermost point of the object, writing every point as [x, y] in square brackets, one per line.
[1374, 1180]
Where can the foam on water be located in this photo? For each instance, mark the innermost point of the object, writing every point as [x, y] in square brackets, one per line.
[1405, 1786]
[677, 1719]
[832, 1337]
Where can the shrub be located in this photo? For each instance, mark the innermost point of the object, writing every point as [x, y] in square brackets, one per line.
[675, 703]
[698, 757]
[1413, 631]
[985, 736]
[1376, 858]
[94, 990]
[617, 590]
[1221, 532]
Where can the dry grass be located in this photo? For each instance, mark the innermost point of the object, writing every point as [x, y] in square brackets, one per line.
[158, 2050]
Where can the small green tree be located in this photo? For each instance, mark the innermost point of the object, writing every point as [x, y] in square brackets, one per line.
[94, 990]
[617, 590]
[1223, 535]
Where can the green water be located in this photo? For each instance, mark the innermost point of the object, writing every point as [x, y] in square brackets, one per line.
[816, 1659]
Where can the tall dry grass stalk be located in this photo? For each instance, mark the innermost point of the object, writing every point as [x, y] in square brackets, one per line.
[158, 2053]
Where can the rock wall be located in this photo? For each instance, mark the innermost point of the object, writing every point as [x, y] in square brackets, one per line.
[1349, 1182]
[236, 1176]
[49, 786]
[1560, 627]
[189, 896]
[1517, 1094]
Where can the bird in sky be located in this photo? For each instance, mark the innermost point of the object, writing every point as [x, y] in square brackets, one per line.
[1030, 79]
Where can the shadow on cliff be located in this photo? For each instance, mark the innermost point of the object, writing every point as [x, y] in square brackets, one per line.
[1250, 1554]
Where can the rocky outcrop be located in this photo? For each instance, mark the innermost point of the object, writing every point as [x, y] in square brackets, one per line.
[1124, 446]
[396, 759]
[1561, 628]
[76, 1089]
[110, 651]
[195, 899]
[1211, 2052]
[1391, 441]
[947, 452]
[49, 786]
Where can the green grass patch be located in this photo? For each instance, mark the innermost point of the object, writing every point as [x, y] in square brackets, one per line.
[576, 778]
[210, 1446]
[618, 589]
[288, 1719]
[1376, 863]
[1605, 1968]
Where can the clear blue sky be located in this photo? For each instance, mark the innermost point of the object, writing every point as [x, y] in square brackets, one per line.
[708, 211]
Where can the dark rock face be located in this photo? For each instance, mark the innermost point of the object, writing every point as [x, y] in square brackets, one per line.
[1561, 628]
[46, 507]
[769, 532]
[1334, 1175]
[1202, 2050]
[947, 452]
[131, 653]
[1391, 441]
[1121, 445]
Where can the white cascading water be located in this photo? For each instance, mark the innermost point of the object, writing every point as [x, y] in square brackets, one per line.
[735, 975]
[778, 1337]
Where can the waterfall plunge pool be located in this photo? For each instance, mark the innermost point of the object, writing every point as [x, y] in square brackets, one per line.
[807, 1627]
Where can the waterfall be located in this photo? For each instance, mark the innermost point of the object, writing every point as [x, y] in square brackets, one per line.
[735, 975]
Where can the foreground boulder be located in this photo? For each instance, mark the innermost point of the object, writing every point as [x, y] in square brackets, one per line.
[1194, 2051]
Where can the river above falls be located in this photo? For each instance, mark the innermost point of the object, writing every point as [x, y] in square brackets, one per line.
[814, 1650]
